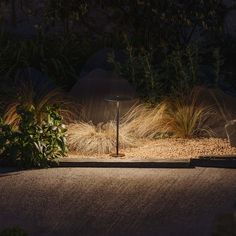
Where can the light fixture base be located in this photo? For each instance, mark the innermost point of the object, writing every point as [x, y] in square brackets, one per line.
[117, 155]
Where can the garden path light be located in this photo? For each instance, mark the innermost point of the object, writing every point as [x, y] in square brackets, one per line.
[117, 99]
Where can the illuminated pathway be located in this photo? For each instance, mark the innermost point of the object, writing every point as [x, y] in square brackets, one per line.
[86, 201]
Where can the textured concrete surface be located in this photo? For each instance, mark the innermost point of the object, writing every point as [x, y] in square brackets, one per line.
[93, 201]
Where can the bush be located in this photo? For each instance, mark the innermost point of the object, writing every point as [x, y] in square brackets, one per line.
[151, 117]
[140, 70]
[34, 144]
[179, 71]
[178, 116]
[24, 94]
[176, 73]
[186, 118]
[181, 117]
[58, 57]
[88, 138]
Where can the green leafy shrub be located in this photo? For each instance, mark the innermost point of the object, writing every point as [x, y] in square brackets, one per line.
[156, 24]
[140, 70]
[15, 231]
[176, 73]
[8, 144]
[34, 144]
[179, 71]
[59, 57]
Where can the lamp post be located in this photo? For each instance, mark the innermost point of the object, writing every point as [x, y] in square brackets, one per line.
[117, 99]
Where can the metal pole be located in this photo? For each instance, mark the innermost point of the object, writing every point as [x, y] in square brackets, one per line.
[117, 126]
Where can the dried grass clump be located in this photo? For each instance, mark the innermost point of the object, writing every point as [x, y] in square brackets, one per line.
[182, 117]
[179, 117]
[88, 138]
[25, 95]
[186, 118]
[145, 121]
[142, 121]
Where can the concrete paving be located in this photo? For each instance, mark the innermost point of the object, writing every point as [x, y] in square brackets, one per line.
[115, 201]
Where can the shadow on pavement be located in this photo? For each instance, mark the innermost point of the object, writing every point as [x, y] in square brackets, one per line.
[8, 171]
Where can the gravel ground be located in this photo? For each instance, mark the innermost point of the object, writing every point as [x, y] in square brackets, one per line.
[171, 148]
[116, 202]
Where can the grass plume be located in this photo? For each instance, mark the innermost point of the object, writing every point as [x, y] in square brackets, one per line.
[181, 117]
[27, 96]
[145, 121]
[88, 138]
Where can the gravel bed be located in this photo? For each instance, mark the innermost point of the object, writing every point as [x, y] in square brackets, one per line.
[172, 148]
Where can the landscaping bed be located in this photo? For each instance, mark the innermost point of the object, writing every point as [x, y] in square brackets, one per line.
[171, 148]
